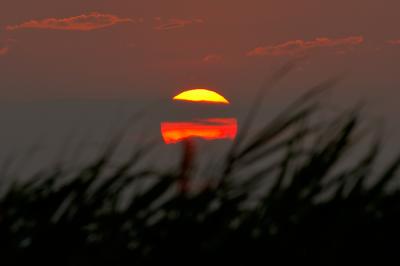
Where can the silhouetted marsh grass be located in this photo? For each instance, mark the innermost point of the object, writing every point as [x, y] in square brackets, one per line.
[307, 210]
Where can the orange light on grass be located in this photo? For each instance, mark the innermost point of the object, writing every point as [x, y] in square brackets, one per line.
[201, 95]
[208, 129]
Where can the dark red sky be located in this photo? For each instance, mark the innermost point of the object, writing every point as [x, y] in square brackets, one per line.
[128, 49]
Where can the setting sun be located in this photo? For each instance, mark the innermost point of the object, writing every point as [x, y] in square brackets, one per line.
[208, 129]
[201, 95]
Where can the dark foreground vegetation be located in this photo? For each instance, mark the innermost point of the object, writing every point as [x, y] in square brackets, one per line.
[299, 190]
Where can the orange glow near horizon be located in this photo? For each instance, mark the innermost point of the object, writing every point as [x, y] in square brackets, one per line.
[201, 95]
[208, 129]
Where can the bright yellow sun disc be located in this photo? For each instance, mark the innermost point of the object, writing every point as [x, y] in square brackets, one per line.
[201, 95]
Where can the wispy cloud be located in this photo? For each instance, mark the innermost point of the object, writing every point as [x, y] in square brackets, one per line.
[394, 42]
[175, 23]
[85, 22]
[4, 50]
[5, 45]
[296, 47]
[213, 58]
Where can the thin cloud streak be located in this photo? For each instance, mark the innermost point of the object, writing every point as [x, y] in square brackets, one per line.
[296, 47]
[175, 23]
[394, 42]
[85, 22]
[213, 58]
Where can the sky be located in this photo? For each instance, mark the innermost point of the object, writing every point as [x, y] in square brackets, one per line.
[80, 68]
[123, 49]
